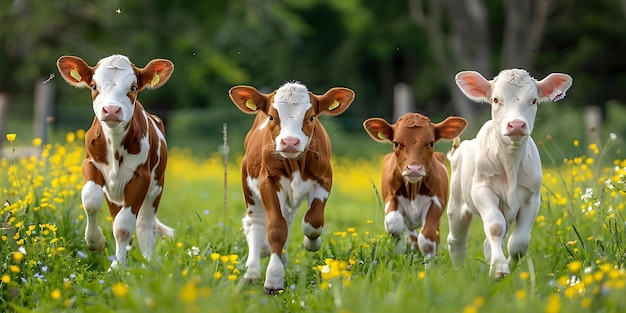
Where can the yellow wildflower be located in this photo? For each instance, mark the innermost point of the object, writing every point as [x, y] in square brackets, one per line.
[189, 292]
[18, 256]
[56, 294]
[574, 266]
[11, 137]
[120, 289]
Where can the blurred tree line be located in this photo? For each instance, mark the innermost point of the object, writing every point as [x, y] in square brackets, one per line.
[367, 45]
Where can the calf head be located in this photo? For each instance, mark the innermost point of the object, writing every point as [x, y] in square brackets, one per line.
[413, 137]
[514, 96]
[291, 112]
[115, 83]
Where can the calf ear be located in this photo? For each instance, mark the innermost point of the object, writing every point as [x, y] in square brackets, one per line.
[75, 71]
[155, 74]
[450, 128]
[554, 86]
[248, 99]
[378, 129]
[335, 101]
[474, 85]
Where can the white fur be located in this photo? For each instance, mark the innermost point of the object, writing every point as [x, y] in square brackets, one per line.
[410, 216]
[114, 77]
[92, 197]
[496, 177]
[275, 275]
[292, 102]
[123, 229]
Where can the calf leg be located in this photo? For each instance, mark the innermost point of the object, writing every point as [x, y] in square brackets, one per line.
[277, 232]
[520, 238]
[146, 230]
[459, 219]
[254, 224]
[123, 228]
[92, 196]
[147, 223]
[495, 229]
[394, 222]
[313, 221]
[428, 239]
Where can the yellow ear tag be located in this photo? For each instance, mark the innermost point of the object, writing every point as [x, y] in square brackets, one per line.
[250, 105]
[155, 80]
[382, 136]
[75, 75]
[333, 106]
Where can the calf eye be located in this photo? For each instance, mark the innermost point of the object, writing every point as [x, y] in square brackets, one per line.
[93, 87]
[133, 88]
[431, 145]
[271, 118]
[534, 101]
[312, 118]
[496, 101]
[396, 144]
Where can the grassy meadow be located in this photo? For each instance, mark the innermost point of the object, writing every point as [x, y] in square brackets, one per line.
[575, 262]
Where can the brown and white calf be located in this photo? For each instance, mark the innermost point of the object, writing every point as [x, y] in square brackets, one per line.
[287, 159]
[498, 174]
[414, 178]
[126, 151]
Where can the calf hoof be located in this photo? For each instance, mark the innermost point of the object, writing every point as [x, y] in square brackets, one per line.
[273, 292]
[251, 278]
[95, 240]
[312, 244]
[499, 271]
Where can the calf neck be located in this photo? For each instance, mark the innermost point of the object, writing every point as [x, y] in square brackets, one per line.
[126, 151]
[498, 174]
[414, 178]
[287, 159]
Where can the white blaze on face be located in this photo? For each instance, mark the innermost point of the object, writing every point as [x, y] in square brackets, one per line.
[292, 101]
[514, 103]
[114, 78]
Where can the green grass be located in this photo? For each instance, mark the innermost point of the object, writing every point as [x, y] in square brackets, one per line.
[575, 262]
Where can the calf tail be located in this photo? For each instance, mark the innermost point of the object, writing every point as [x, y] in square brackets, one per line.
[456, 142]
[164, 230]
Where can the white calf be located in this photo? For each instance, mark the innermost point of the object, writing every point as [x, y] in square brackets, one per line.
[497, 175]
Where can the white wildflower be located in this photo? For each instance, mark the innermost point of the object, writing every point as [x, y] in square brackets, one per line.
[588, 194]
[609, 184]
[194, 251]
[612, 136]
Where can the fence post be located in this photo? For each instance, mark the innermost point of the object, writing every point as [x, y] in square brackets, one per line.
[592, 116]
[44, 109]
[4, 108]
[403, 100]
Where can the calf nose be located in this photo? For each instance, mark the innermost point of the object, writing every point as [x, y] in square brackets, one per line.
[112, 112]
[415, 170]
[289, 143]
[516, 127]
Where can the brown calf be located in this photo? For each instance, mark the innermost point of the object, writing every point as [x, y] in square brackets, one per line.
[126, 151]
[414, 179]
[287, 159]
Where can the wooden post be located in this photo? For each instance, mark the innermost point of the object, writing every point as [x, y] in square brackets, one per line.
[225, 154]
[592, 117]
[403, 101]
[44, 109]
[4, 108]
